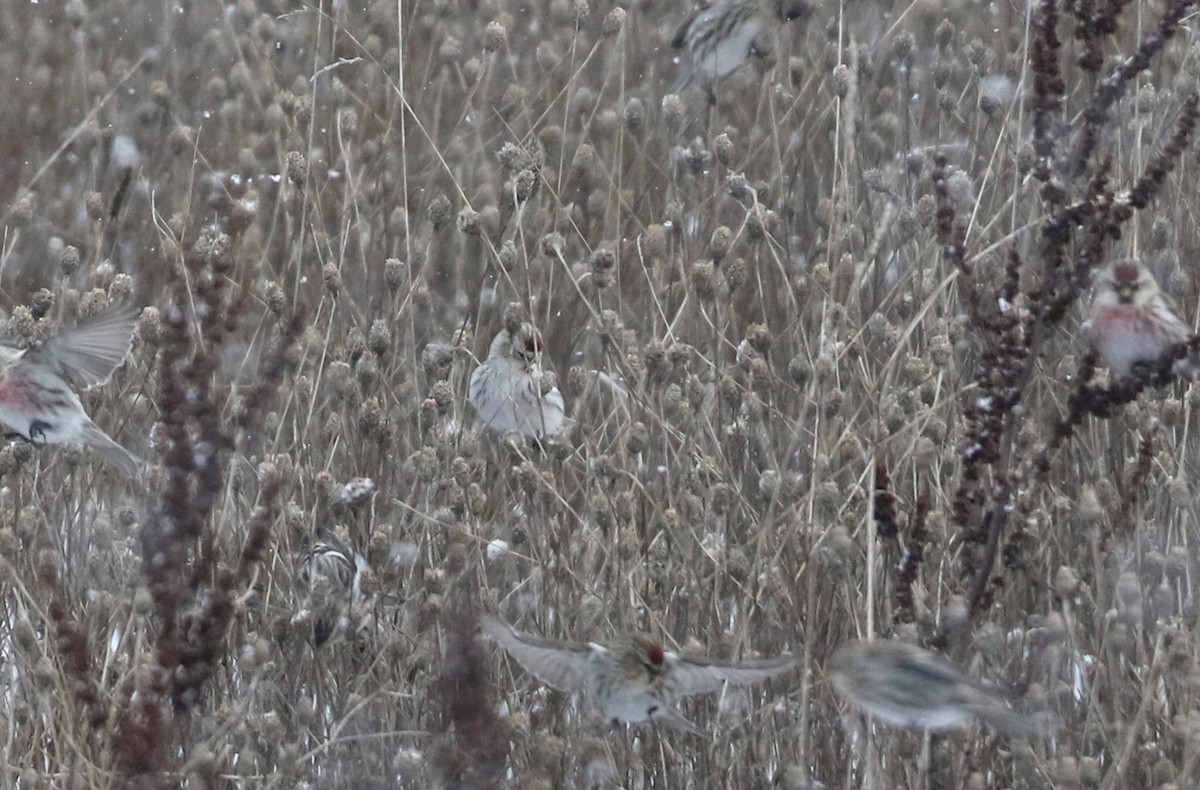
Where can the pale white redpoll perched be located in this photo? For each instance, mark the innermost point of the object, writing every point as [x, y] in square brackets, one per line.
[720, 38]
[36, 399]
[1133, 322]
[329, 578]
[510, 391]
[906, 686]
[631, 682]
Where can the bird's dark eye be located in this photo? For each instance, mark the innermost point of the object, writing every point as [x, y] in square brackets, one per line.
[652, 710]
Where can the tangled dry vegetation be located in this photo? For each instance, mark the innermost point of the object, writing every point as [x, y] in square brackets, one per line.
[819, 345]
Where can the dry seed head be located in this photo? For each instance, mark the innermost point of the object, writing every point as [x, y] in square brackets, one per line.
[379, 339]
[450, 50]
[472, 69]
[906, 224]
[1129, 590]
[332, 277]
[442, 396]
[1090, 511]
[68, 259]
[546, 56]
[21, 323]
[103, 274]
[1177, 562]
[738, 187]
[523, 184]
[23, 209]
[799, 371]
[673, 112]
[960, 191]
[1159, 235]
[585, 157]
[736, 273]
[654, 241]
[759, 221]
[91, 303]
[759, 337]
[93, 204]
[720, 242]
[551, 138]
[275, 297]
[1066, 581]
[397, 223]
[635, 113]
[832, 403]
[515, 158]
[440, 211]
[41, 303]
[703, 280]
[393, 273]
[614, 20]
[468, 221]
[926, 210]
[602, 261]
[876, 181]
[695, 157]
[978, 54]
[297, 168]
[944, 34]
[840, 81]
[553, 244]
[724, 149]
[121, 288]
[494, 36]
[514, 316]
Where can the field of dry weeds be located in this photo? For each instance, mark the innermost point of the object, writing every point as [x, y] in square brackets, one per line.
[818, 343]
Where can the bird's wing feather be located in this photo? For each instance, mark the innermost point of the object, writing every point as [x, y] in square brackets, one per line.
[563, 665]
[673, 718]
[89, 352]
[680, 37]
[700, 676]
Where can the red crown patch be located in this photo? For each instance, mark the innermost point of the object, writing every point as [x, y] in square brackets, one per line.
[1126, 273]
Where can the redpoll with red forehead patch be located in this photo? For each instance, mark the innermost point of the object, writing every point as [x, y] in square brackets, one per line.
[631, 682]
[720, 37]
[37, 401]
[510, 391]
[906, 686]
[1132, 323]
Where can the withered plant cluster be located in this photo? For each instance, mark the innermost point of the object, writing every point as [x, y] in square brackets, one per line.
[819, 343]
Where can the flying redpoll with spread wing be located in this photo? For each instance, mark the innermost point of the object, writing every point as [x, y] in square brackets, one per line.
[721, 37]
[915, 689]
[36, 400]
[1133, 323]
[510, 391]
[634, 681]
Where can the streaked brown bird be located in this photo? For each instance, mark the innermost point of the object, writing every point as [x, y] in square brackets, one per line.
[329, 580]
[719, 38]
[908, 687]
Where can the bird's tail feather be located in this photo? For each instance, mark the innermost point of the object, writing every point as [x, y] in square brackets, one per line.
[110, 451]
[1018, 725]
